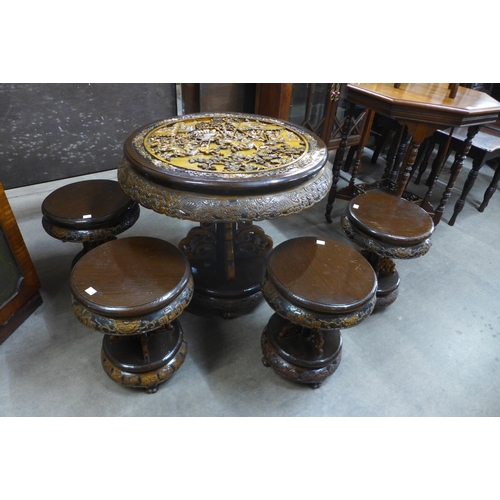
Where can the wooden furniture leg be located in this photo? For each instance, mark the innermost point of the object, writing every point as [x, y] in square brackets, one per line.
[365, 135]
[491, 189]
[471, 179]
[456, 168]
[337, 164]
[418, 135]
[437, 166]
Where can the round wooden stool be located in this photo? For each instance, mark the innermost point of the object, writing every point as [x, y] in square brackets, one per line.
[387, 227]
[315, 287]
[89, 212]
[132, 290]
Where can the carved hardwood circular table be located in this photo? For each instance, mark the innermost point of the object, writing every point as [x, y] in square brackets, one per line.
[315, 288]
[225, 171]
[133, 290]
[89, 212]
[387, 227]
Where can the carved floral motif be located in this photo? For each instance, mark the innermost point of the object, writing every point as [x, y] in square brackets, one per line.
[312, 319]
[135, 325]
[212, 208]
[383, 249]
[225, 143]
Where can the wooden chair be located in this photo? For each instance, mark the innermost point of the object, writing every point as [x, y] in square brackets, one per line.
[89, 212]
[315, 288]
[133, 290]
[485, 148]
[420, 110]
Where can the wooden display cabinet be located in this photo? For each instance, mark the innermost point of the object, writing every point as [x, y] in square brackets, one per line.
[19, 283]
[320, 107]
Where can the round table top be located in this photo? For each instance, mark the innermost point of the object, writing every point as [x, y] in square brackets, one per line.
[322, 275]
[130, 276]
[85, 204]
[225, 153]
[390, 219]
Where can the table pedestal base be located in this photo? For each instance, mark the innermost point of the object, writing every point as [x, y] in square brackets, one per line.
[300, 354]
[123, 357]
[227, 261]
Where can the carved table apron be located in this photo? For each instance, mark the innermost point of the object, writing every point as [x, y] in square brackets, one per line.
[225, 170]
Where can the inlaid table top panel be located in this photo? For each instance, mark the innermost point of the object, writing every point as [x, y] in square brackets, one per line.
[86, 203]
[225, 153]
[390, 218]
[322, 275]
[130, 276]
[426, 102]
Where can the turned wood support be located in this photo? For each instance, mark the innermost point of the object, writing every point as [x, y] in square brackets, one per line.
[396, 154]
[471, 179]
[226, 239]
[490, 189]
[339, 158]
[365, 135]
[455, 171]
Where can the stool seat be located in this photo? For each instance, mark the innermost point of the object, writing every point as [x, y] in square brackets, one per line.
[133, 290]
[321, 275]
[89, 212]
[387, 227]
[390, 219]
[315, 286]
[130, 276]
[87, 204]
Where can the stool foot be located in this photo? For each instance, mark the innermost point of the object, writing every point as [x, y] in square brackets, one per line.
[308, 366]
[386, 300]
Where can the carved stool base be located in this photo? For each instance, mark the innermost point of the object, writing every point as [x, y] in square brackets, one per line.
[123, 360]
[294, 356]
[388, 280]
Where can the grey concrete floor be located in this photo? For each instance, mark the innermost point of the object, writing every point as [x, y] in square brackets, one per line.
[434, 352]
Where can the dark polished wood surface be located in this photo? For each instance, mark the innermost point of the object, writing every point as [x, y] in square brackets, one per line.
[390, 219]
[321, 275]
[101, 199]
[131, 276]
[420, 109]
[426, 103]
